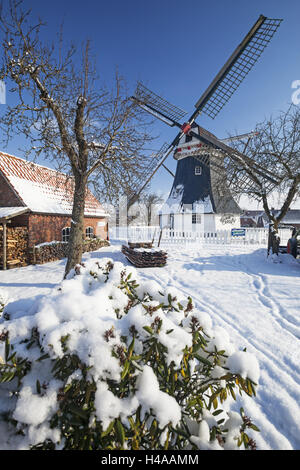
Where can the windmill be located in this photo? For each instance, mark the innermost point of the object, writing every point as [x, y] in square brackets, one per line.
[203, 160]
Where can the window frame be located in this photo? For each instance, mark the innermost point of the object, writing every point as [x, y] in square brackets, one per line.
[171, 220]
[65, 234]
[90, 229]
[196, 218]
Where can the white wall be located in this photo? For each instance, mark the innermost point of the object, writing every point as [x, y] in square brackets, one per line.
[209, 222]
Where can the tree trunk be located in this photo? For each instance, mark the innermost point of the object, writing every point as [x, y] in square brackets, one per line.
[273, 240]
[77, 225]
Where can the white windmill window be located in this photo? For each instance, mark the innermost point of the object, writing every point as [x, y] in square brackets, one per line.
[196, 218]
[198, 170]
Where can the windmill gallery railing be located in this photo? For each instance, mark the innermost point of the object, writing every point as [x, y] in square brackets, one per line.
[241, 236]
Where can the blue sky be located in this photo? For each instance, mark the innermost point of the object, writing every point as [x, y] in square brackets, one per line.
[176, 48]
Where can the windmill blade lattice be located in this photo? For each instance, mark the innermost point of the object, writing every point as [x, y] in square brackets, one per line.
[236, 177]
[155, 103]
[237, 67]
[211, 151]
[155, 162]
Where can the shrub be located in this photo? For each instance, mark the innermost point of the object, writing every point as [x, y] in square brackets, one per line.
[108, 363]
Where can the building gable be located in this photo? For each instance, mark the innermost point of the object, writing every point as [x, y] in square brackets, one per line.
[8, 196]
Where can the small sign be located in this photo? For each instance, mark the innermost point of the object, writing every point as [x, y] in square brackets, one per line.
[238, 232]
[101, 224]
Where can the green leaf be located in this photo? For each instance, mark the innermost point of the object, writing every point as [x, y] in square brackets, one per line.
[7, 349]
[7, 377]
[203, 360]
[44, 356]
[222, 352]
[217, 412]
[125, 370]
[249, 388]
[130, 349]
[31, 343]
[148, 329]
[77, 411]
[196, 347]
[12, 357]
[255, 428]
[232, 393]
[213, 433]
[108, 429]
[182, 432]
[120, 432]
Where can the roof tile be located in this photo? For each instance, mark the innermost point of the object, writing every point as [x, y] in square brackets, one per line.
[43, 189]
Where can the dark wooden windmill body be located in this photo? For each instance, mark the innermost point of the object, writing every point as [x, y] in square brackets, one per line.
[199, 185]
[208, 168]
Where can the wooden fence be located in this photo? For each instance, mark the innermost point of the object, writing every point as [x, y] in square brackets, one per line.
[246, 236]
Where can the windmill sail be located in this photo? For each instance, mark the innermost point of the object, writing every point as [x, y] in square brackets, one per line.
[242, 171]
[156, 162]
[157, 106]
[237, 67]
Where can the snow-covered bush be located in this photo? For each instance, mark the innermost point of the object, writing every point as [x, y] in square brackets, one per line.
[106, 362]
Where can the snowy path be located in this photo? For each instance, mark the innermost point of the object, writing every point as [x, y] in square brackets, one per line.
[249, 298]
[256, 301]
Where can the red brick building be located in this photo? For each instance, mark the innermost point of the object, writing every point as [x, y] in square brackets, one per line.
[41, 199]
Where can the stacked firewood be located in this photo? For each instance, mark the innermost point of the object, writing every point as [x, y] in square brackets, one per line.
[52, 251]
[141, 258]
[93, 244]
[16, 247]
[47, 252]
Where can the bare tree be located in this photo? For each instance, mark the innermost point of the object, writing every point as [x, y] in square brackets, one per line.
[275, 148]
[98, 136]
[150, 203]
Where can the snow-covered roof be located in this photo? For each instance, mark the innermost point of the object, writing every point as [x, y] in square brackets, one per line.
[292, 216]
[44, 190]
[7, 212]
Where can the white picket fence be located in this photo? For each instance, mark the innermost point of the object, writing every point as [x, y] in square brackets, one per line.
[134, 234]
[255, 236]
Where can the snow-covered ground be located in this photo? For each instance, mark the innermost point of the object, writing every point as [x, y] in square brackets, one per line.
[256, 300]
